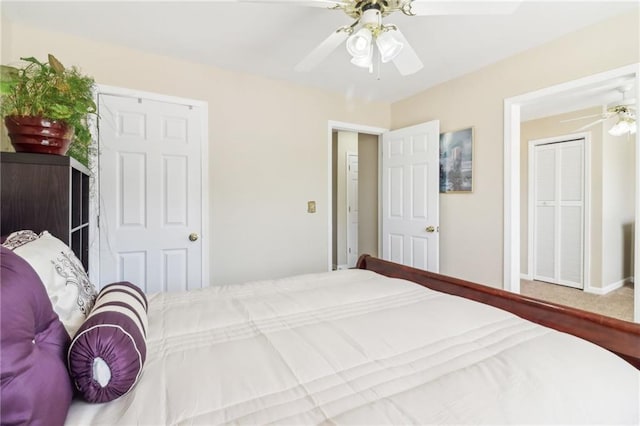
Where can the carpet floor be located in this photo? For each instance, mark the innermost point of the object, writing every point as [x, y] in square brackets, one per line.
[617, 304]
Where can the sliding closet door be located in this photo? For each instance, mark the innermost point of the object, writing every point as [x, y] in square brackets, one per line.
[558, 177]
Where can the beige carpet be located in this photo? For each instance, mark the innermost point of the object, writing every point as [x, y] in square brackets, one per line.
[617, 304]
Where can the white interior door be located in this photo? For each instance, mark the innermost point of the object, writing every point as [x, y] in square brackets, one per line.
[352, 209]
[558, 201]
[150, 193]
[410, 191]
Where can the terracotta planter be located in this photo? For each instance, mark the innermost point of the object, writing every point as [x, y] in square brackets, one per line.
[39, 135]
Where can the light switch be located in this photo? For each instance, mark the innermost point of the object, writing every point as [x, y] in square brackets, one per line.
[311, 206]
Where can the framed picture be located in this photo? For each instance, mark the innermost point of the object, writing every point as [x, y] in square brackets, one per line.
[456, 161]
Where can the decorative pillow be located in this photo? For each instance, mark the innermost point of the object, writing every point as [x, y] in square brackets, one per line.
[35, 386]
[63, 275]
[107, 354]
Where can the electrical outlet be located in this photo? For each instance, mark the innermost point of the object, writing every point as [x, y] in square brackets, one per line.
[311, 206]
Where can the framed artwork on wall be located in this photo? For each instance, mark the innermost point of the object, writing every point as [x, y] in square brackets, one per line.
[456, 161]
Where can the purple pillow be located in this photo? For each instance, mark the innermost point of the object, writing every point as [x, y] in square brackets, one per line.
[35, 385]
[108, 351]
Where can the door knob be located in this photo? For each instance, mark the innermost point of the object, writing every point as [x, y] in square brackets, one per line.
[430, 229]
[193, 236]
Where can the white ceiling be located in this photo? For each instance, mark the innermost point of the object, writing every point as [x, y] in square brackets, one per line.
[269, 39]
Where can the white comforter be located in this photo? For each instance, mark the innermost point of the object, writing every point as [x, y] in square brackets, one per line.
[354, 347]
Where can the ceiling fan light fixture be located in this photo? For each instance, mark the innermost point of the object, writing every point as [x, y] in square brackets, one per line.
[365, 61]
[359, 44]
[389, 46]
[624, 125]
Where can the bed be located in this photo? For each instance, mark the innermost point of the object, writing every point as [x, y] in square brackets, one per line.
[380, 344]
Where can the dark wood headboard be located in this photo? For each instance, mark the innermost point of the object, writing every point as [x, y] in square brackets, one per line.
[620, 337]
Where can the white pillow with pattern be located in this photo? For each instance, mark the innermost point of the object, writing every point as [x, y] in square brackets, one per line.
[70, 291]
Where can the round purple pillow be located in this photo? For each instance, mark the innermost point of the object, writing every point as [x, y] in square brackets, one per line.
[107, 354]
[35, 387]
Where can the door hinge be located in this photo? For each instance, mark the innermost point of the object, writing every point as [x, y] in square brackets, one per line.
[98, 221]
[349, 209]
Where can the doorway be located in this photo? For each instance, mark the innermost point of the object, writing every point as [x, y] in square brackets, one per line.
[355, 191]
[407, 210]
[353, 231]
[513, 108]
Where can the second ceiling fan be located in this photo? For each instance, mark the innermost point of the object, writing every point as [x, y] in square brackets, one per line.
[623, 112]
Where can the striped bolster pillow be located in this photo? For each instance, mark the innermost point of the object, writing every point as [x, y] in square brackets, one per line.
[106, 355]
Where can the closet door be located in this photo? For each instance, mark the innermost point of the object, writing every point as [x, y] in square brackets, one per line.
[558, 176]
[150, 193]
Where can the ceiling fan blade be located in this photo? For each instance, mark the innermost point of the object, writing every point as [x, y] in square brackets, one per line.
[407, 61]
[469, 7]
[326, 4]
[323, 50]
[591, 124]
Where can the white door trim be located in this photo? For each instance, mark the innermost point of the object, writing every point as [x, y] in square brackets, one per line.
[586, 254]
[511, 242]
[348, 127]
[203, 106]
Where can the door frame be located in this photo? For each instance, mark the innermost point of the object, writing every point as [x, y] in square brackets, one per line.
[357, 128]
[586, 214]
[94, 167]
[511, 234]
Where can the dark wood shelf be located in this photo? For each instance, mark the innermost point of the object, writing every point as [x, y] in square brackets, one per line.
[43, 192]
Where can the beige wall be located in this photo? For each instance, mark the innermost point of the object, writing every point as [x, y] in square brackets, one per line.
[471, 225]
[268, 148]
[367, 194]
[551, 127]
[618, 207]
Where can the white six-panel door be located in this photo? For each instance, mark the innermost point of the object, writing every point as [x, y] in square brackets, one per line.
[150, 193]
[410, 191]
[558, 208]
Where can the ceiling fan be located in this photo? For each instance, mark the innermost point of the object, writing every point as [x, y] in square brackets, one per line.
[623, 111]
[367, 28]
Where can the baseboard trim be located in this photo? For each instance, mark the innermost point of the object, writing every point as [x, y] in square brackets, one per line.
[343, 266]
[526, 277]
[608, 288]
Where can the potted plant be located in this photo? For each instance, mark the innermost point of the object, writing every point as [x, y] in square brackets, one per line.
[45, 107]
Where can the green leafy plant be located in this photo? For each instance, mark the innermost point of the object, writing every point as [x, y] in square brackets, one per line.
[49, 90]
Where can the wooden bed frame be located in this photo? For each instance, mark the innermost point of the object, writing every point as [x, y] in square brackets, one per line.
[619, 337]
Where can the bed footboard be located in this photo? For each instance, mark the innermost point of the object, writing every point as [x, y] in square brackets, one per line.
[619, 337]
